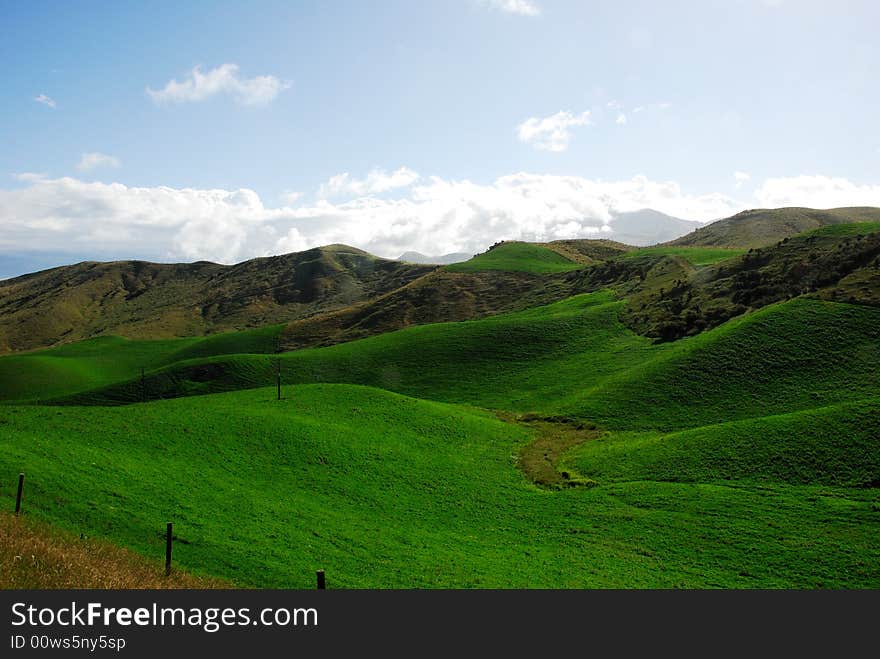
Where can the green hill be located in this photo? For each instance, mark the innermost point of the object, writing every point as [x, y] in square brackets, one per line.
[796, 355]
[107, 360]
[516, 257]
[835, 445]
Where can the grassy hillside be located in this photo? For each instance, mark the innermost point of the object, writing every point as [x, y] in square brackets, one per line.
[588, 251]
[762, 227]
[792, 356]
[835, 445]
[384, 490]
[106, 360]
[815, 262]
[440, 296]
[575, 358]
[523, 361]
[142, 300]
[696, 256]
[517, 257]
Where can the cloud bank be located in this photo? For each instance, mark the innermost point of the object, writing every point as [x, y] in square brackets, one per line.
[431, 215]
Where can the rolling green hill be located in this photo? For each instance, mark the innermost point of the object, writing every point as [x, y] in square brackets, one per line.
[575, 358]
[523, 361]
[516, 257]
[835, 445]
[105, 360]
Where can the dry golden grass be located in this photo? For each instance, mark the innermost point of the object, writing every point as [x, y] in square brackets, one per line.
[37, 556]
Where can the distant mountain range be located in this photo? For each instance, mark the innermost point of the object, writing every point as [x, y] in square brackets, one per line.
[648, 227]
[446, 259]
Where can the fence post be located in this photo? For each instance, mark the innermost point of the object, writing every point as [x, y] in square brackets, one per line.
[168, 535]
[322, 584]
[18, 494]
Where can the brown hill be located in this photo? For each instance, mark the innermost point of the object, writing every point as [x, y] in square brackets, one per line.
[762, 227]
[137, 299]
[441, 296]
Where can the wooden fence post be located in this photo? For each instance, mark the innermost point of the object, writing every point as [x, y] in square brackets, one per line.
[168, 535]
[322, 584]
[18, 494]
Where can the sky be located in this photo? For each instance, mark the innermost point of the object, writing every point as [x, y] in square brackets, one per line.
[181, 131]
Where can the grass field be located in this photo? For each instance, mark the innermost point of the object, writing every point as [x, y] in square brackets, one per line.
[517, 257]
[389, 491]
[852, 229]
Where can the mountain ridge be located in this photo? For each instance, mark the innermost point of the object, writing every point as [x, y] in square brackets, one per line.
[761, 227]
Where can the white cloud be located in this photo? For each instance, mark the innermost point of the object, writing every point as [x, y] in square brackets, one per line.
[621, 119]
[90, 161]
[664, 106]
[431, 215]
[816, 192]
[521, 7]
[551, 133]
[225, 79]
[638, 109]
[376, 181]
[741, 178]
[435, 216]
[45, 100]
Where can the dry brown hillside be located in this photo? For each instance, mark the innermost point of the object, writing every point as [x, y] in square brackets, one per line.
[137, 299]
[763, 227]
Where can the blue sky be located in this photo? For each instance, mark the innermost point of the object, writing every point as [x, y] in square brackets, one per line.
[458, 123]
